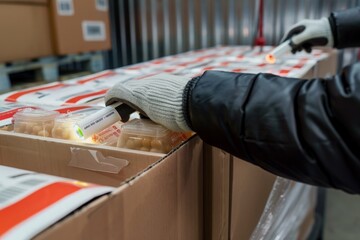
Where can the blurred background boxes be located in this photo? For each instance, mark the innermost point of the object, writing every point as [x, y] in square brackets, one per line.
[25, 30]
[80, 26]
[38, 28]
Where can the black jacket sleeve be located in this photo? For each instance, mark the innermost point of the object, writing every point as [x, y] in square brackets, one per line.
[345, 26]
[305, 130]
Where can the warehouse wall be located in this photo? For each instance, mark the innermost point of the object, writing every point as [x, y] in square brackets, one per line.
[147, 29]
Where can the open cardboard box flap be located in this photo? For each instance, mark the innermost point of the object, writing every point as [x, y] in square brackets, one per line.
[157, 195]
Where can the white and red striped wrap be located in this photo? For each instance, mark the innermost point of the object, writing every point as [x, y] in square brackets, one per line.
[8, 110]
[31, 202]
[92, 88]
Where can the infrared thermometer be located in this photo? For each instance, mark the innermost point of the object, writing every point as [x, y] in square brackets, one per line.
[278, 52]
[102, 119]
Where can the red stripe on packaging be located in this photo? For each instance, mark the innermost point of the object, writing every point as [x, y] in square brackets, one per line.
[70, 109]
[80, 97]
[298, 66]
[160, 61]
[238, 70]
[90, 79]
[11, 113]
[15, 96]
[34, 203]
[284, 71]
[262, 65]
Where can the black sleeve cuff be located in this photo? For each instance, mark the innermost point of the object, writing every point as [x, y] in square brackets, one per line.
[346, 27]
[333, 29]
[186, 100]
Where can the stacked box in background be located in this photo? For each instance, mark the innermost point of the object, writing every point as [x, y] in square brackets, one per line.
[80, 26]
[25, 30]
[39, 28]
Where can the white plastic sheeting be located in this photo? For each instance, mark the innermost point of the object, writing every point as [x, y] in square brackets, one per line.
[287, 206]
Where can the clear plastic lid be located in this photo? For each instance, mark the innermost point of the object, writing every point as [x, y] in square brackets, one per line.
[64, 126]
[30, 114]
[146, 128]
[145, 135]
[69, 118]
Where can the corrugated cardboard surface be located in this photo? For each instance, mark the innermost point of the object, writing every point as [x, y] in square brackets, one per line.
[67, 30]
[160, 200]
[216, 193]
[87, 223]
[25, 32]
[235, 195]
[327, 67]
[52, 157]
[167, 202]
[251, 187]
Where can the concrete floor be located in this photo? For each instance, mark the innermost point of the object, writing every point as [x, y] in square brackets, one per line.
[342, 219]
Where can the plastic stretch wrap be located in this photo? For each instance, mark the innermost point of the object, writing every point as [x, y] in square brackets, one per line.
[285, 210]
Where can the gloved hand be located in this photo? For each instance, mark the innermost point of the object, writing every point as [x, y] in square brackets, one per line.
[159, 97]
[309, 33]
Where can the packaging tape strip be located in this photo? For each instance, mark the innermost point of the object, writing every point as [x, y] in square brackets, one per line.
[95, 161]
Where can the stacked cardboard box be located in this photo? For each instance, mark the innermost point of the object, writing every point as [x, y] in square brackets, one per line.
[156, 195]
[194, 192]
[38, 28]
[80, 26]
[25, 30]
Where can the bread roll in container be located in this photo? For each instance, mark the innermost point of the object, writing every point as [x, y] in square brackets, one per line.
[35, 122]
[145, 135]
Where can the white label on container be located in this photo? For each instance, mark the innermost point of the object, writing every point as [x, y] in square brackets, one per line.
[65, 7]
[93, 30]
[102, 5]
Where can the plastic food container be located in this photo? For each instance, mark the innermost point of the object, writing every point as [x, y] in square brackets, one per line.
[64, 126]
[35, 121]
[144, 135]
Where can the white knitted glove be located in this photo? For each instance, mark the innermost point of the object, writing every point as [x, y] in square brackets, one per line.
[309, 33]
[159, 97]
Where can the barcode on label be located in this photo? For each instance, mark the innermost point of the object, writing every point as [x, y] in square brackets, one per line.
[93, 30]
[9, 193]
[65, 7]
[102, 5]
[32, 182]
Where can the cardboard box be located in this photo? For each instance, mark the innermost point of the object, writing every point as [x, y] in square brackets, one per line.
[158, 196]
[24, 1]
[33, 29]
[216, 193]
[162, 198]
[80, 26]
[250, 189]
[235, 195]
[327, 67]
[25, 30]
